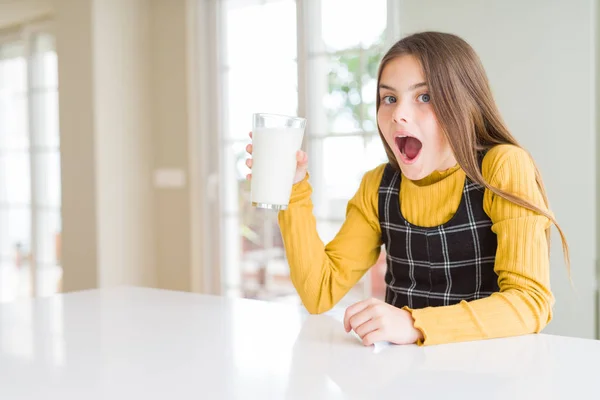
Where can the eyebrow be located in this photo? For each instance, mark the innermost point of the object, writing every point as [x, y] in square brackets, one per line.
[410, 88]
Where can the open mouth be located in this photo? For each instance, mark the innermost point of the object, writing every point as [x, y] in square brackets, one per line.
[409, 147]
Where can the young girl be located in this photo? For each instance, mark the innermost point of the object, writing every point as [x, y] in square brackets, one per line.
[460, 207]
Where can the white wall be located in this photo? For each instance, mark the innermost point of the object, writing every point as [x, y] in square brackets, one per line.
[73, 21]
[540, 58]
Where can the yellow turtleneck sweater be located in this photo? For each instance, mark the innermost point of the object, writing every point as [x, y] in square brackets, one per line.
[323, 274]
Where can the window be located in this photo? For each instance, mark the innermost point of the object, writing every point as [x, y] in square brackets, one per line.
[265, 46]
[29, 167]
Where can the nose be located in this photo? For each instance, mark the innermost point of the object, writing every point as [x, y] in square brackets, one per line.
[401, 113]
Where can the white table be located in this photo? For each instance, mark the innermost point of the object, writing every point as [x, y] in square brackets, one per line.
[131, 343]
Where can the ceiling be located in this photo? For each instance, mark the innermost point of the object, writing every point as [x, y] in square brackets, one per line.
[14, 12]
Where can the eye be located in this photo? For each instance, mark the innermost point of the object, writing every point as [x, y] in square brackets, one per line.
[389, 100]
[424, 98]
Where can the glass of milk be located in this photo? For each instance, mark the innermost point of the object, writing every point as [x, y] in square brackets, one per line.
[275, 141]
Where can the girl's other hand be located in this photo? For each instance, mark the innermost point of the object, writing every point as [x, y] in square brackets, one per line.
[374, 321]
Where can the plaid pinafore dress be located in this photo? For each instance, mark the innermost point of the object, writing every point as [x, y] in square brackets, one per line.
[442, 265]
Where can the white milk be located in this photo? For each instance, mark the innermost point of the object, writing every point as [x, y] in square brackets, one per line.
[274, 164]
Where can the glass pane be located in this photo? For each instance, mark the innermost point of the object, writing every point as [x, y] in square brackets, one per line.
[372, 59]
[48, 252]
[362, 24]
[340, 162]
[48, 237]
[352, 88]
[343, 101]
[49, 279]
[236, 189]
[264, 269]
[13, 120]
[259, 34]
[15, 279]
[374, 152]
[47, 165]
[230, 252]
[45, 118]
[260, 53]
[13, 69]
[15, 234]
[328, 229]
[15, 186]
[248, 90]
[45, 69]
[342, 165]
[15, 250]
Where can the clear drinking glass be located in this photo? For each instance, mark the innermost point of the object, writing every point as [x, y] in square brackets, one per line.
[275, 141]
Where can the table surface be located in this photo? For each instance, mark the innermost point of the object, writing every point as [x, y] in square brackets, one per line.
[134, 343]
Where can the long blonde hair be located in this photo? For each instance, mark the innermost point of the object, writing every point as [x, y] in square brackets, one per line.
[465, 109]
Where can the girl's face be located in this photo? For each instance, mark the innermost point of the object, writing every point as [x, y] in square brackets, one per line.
[407, 121]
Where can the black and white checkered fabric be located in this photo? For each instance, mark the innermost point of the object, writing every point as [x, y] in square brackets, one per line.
[441, 265]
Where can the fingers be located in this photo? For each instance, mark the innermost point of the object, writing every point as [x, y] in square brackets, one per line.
[368, 326]
[302, 158]
[361, 318]
[377, 335]
[249, 160]
[353, 310]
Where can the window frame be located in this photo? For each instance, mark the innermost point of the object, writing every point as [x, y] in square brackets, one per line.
[207, 269]
[26, 36]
